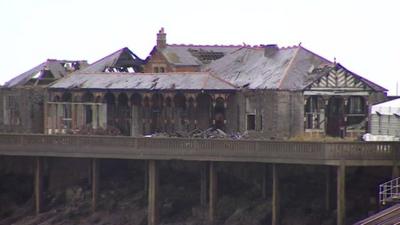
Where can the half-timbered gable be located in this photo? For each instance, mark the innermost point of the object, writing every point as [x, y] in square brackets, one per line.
[337, 101]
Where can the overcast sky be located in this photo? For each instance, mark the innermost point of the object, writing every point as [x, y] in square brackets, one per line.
[364, 36]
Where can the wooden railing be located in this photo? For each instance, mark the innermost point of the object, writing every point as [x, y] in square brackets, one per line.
[353, 153]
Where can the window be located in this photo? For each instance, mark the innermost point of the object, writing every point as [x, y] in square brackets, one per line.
[251, 121]
[10, 110]
[356, 105]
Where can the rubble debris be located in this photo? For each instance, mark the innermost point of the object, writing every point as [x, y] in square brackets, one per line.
[210, 133]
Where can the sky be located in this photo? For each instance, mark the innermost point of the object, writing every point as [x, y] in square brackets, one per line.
[363, 35]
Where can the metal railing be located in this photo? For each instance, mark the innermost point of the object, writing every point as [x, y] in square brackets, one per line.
[389, 191]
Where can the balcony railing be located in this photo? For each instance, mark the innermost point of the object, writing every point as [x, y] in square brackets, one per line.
[373, 153]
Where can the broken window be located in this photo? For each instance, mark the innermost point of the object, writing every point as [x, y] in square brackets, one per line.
[314, 113]
[356, 113]
[251, 121]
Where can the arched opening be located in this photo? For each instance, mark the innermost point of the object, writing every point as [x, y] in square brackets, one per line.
[66, 97]
[180, 112]
[203, 111]
[156, 109]
[219, 113]
[109, 99]
[136, 120]
[123, 114]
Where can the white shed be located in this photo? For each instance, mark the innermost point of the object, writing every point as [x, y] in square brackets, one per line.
[385, 118]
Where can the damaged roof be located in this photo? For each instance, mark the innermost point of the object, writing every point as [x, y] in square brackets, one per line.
[195, 55]
[48, 71]
[143, 81]
[252, 67]
[123, 60]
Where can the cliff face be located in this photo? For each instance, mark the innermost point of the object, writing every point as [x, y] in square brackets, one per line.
[123, 199]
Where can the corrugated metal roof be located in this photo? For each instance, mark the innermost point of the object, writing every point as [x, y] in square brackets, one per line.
[56, 67]
[181, 55]
[387, 108]
[140, 81]
[121, 58]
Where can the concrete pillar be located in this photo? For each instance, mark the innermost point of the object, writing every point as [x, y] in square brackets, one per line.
[38, 184]
[275, 195]
[146, 176]
[327, 188]
[213, 189]
[153, 208]
[264, 181]
[203, 185]
[395, 171]
[341, 194]
[95, 174]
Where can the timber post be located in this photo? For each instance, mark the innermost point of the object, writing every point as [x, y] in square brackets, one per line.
[38, 184]
[213, 190]
[95, 175]
[341, 194]
[153, 208]
[275, 195]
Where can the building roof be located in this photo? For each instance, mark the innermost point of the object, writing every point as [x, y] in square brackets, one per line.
[143, 81]
[194, 55]
[387, 108]
[285, 69]
[49, 70]
[123, 60]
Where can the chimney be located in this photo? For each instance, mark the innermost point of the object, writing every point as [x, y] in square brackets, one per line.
[270, 50]
[161, 39]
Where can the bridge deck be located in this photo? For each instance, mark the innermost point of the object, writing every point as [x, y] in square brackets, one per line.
[288, 152]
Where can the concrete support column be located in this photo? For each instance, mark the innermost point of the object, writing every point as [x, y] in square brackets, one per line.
[95, 175]
[213, 190]
[203, 185]
[38, 184]
[153, 209]
[341, 194]
[264, 181]
[327, 188]
[275, 195]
